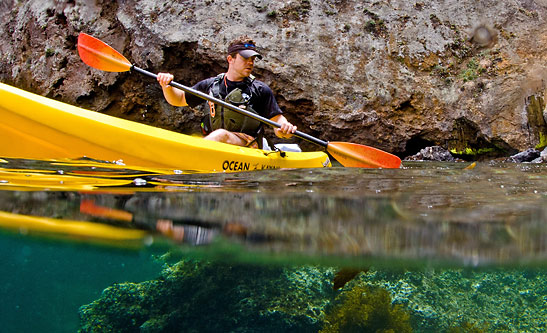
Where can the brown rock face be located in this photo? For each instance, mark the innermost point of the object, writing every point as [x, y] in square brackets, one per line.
[466, 75]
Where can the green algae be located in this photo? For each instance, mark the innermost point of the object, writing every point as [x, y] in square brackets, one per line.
[481, 150]
[542, 141]
[456, 299]
[469, 144]
[472, 71]
[201, 296]
[366, 309]
[467, 327]
[471, 151]
[535, 105]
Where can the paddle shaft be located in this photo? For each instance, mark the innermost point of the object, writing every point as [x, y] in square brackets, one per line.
[234, 108]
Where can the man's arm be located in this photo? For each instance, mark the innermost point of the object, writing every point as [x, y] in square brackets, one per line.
[174, 96]
[286, 130]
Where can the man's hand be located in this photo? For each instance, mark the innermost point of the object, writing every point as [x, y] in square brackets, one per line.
[164, 79]
[286, 130]
[174, 96]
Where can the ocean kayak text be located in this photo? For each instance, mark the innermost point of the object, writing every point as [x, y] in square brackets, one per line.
[245, 166]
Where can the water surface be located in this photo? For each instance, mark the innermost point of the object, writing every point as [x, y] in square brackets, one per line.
[422, 216]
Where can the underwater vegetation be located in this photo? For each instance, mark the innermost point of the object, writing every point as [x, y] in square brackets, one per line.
[202, 296]
[468, 300]
[466, 327]
[366, 309]
[198, 296]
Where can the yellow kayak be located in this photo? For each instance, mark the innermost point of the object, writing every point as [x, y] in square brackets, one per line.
[36, 127]
[87, 176]
[82, 231]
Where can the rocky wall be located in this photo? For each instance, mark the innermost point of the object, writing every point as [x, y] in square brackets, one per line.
[398, 75]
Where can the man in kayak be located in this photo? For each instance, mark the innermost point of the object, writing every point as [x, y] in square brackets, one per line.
[237, 86]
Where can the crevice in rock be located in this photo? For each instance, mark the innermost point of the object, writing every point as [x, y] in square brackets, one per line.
[405, 106]
[468, 143]
[85, 100]
[415, 144]
[70, 42]
[58, 83]
[61, 19]
[63, 63]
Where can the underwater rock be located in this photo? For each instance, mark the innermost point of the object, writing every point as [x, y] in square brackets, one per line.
[448, 300]
[197, 296]
[194, 296]
[434, 153]
[345, 275]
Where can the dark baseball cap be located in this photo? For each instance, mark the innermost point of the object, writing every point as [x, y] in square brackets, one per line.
[246, 50]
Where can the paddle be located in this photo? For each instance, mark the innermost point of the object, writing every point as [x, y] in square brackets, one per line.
[99, 55]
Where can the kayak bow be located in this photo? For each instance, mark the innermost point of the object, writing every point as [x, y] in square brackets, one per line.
[36, 127]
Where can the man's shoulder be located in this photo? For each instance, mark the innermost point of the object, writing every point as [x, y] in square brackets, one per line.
[261, 86]
[258, 82]
[205, 83]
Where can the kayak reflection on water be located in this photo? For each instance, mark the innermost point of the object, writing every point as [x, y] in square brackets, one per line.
[185, 230]
[425, 213]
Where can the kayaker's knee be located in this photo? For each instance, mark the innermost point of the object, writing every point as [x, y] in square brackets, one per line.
[222, 135]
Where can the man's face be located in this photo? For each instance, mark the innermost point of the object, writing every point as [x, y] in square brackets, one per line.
[242, 66]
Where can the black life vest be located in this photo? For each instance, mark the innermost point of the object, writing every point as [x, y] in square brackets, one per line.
[221, 117]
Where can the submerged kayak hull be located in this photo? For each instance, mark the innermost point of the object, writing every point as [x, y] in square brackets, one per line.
[37, 127]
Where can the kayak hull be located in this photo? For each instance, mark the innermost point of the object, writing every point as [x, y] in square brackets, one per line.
[37, 127]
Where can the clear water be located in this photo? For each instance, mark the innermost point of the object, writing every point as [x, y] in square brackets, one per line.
[421, 229]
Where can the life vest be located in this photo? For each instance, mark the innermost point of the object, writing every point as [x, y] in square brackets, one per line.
[221, 117]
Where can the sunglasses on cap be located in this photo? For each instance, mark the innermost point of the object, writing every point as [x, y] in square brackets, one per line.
[246, 50]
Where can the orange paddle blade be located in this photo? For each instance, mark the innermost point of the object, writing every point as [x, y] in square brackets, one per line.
[88, 207]
[359, 156]
[99, 55]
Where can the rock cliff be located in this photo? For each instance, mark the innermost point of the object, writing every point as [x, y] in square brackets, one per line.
[398, 75]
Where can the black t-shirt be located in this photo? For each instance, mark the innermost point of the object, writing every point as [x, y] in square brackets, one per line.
[262, 98]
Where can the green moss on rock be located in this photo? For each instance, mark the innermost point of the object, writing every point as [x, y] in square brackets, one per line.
[536, 122]
[196, 296]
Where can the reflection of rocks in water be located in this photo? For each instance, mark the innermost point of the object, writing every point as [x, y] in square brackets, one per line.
[40, 203]
[431, 224]
[438, 212]
[361, 226]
